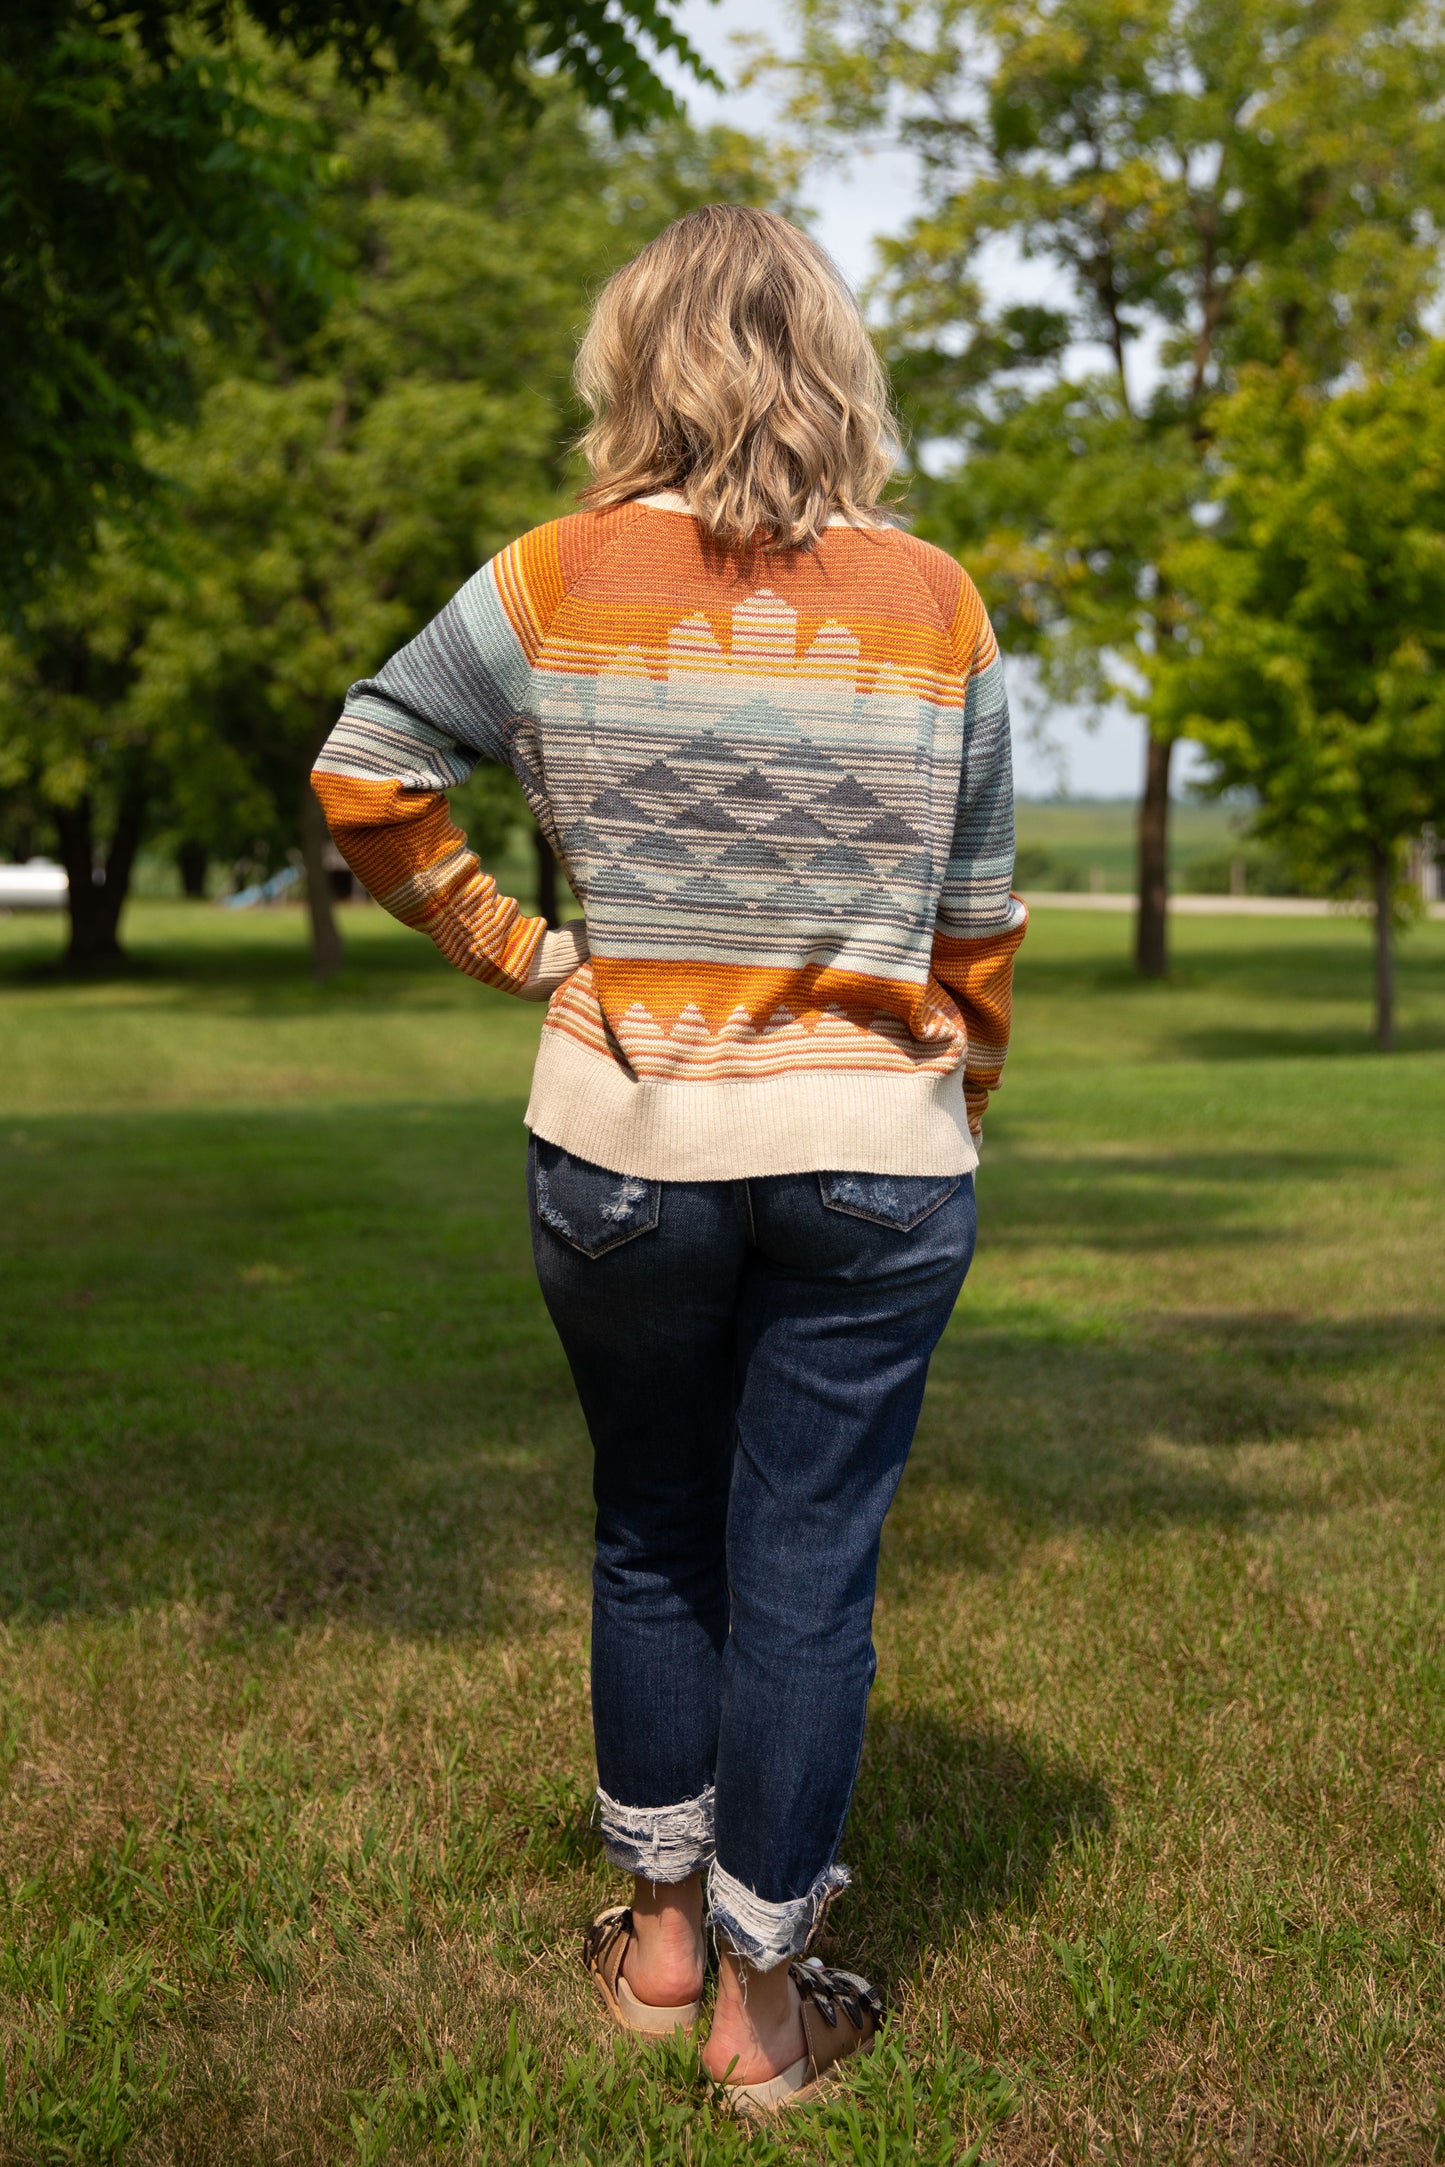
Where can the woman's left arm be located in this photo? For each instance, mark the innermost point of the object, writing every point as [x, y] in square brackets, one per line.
[980, 921]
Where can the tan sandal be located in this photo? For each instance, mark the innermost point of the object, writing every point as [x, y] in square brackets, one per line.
[841, 2016]
[604, 1946]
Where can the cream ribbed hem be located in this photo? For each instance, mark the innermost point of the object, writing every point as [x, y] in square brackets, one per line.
[848, 1121]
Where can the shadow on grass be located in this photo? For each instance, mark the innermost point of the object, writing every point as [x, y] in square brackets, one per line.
[1270, 1042]
[295, 1362]
[255, 977]
[214, 959]
[1153, 1200]
[303, 1485]
[951, 1826]
[1164, 1422]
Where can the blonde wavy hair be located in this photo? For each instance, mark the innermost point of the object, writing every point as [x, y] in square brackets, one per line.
[729, 362]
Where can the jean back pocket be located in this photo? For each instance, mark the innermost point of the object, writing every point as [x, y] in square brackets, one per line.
[900, 1201]
[589, 1206]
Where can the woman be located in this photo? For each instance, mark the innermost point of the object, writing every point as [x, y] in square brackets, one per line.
[765, 733]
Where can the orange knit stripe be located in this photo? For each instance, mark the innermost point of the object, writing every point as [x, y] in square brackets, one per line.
[719, 990]
[584, 656]
[979, 973]
[409, 853]
[590, 633]
[529, 580]
[775, 1052]
[582, 536]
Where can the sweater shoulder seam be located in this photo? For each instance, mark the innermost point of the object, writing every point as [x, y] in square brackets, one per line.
[594, 556]
[909, 543]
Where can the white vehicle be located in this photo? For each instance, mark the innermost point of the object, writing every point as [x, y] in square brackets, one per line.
[38, 885]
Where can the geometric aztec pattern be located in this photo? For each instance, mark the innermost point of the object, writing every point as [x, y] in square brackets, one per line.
[725, 797]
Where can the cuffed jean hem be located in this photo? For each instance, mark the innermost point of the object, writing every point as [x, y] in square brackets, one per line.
[765, 1934]
[657, 1843]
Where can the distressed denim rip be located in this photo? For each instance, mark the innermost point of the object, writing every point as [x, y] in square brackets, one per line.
[750, 1357]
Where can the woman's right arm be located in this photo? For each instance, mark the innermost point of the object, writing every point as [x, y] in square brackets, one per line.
[406, 736]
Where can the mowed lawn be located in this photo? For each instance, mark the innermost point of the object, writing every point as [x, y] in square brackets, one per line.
[1149, 1842]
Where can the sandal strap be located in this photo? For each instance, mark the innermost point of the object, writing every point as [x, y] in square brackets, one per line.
[604, 1945]
[840, 2012]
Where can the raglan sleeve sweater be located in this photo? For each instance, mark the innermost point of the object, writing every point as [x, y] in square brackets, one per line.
[782, 789]
[417, 729]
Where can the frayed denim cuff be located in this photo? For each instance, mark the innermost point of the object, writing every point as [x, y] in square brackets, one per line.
[658, 1843]
[768, 1934]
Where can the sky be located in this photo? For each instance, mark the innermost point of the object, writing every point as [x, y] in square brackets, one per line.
[1056, 751]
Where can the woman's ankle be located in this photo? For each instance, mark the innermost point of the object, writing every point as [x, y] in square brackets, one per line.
[757, 2024]
[664, 1960]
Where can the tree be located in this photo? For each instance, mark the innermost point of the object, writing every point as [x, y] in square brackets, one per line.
[1311, 661]
[343, 475]
[86, 758]
[337, 492]
[1210, 182]
[64, 695]
[147, 177]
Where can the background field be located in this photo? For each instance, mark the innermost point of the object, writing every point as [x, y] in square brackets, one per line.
[1093, 843]
[294, 1777]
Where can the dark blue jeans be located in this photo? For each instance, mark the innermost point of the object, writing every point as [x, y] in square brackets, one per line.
[750, 1357]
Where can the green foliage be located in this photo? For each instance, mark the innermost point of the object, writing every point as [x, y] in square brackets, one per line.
[342, 477]
[69, 689]
[1035, 867]
[1313, 658]
[335, 496]
[594, 46]
[1089, 842]
[148, 171]
[1260, 870]
[89, 759]
[1216, 183]
[135, 191]
[1210, 184]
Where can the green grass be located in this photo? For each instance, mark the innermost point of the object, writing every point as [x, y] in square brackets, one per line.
[294, 1762]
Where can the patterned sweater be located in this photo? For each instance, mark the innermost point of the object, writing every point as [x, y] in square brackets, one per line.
[780, 786]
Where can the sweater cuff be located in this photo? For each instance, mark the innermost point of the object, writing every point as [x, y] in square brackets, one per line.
[556, 956]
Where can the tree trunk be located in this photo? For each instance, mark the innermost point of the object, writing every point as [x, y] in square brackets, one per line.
[1384, 952]
[98, 889]
[91, 946]
[546, 877]
[1151, 931]
[192, 861]
[328, 951]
